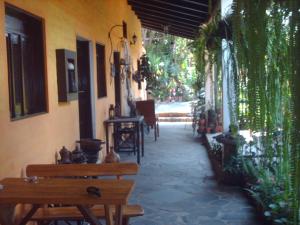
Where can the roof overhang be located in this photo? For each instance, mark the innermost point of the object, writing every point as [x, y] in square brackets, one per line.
[179, 17]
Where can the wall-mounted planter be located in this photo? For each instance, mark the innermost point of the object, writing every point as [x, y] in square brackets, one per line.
[67, 79]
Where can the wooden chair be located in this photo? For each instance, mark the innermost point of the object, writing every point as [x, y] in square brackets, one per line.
[71, 213]
[147, 109]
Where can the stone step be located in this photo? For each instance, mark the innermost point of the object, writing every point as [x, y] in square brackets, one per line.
[175, 119]
[173, 114]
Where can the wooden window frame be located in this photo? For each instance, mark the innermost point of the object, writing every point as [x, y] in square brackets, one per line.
[43, 106]
[101, 72]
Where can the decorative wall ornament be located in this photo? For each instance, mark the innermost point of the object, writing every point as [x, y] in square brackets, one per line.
[112, 67]
[134, 39]
[144, 71]
[125, 61]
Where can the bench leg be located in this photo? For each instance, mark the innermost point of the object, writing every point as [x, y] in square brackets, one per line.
[125, 221]
[45, 222]
[108, 215]
[7, 214]
[88, 215]
[119, 215]
[29, 214]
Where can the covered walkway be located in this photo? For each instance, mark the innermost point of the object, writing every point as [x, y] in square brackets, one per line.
[175, 184]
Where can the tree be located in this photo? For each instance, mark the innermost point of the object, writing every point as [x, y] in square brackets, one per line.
[172, 63]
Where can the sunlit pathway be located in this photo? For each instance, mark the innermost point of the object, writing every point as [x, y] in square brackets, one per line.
[175, 184]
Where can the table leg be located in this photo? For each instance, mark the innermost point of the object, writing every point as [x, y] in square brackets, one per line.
[88, 215]
[115, 138]
[107, 138]
[29, 214]
[108, 215]
[119, 215]
[134, 142]
[137, 127]
[155, 134]
[7, 213]
[142, 133]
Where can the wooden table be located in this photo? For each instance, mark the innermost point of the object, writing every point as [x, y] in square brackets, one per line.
[138, 125]
[70, 192]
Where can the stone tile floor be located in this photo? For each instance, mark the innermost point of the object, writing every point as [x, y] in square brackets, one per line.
[175, 184]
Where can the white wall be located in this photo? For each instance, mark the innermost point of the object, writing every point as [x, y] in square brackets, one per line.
[225, 9]
[209, 89]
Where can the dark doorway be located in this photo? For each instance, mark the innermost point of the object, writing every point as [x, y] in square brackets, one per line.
[117, 79]
[84, 90]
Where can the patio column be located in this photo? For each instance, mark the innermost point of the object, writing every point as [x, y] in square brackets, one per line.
[226, 71]
[209, 88]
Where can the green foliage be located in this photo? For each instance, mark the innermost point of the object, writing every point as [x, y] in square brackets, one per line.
[235, 165]
[217, 151]
[266, 47]
[294, 53]
[198, 110]
[172, 62]
[268, 191]
[208, 52]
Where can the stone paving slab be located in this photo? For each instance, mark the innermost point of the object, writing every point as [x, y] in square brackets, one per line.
[176, 186]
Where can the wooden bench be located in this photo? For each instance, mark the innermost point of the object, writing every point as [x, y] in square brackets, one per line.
[73, 214]
[82, 170]
[118, 170]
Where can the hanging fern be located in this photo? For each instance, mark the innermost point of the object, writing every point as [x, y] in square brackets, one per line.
[266, 36]
[265, 77]
[294, 7]
[207, 51]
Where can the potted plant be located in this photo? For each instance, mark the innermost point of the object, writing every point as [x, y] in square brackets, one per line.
[231, 141]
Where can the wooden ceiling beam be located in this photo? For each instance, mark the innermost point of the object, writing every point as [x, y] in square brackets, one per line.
[196, 3]
[175, 4]
[166, 21]
[163, 12]
[158, 21]
[163, 18]
[157, 7]
[142, 10]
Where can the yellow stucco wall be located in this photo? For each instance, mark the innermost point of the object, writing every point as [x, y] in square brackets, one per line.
[36, 139]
